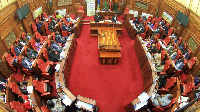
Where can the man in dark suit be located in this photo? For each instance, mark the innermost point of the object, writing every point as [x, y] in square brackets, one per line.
[26, 63]
[114, 18]
[179, 64]
[66, 28]
[23, 87]
[56, 47]
[51, 27]
[153, 49]
[162, 81]
[59, 38]
[31, 54]
[52, 55]
[173, 55]
[97, 17]
[17, 49]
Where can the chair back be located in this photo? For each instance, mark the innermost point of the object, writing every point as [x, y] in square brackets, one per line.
[163, 54]
[23, 35]
[191, 62]
[45, 54]
[166, 66]
[15, 88]
[158, 45]
[12, 48]
[170, 31]
[146, 28]
[170, 82]
[32, 41]
[149, 19]
[41, 65]
[45, 15]
[155, 26]
[38, 86]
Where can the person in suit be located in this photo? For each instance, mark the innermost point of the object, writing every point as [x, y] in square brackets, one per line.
[55, 105]
[170, 48]
[59, 38]
[23, 87]
[38, 44]
[114, 18]
[21, 43]
[17, 49]
[25, 102]
[66, 28]
[173, 55]
[26, 63]
[162, 100]
[56, 47]
[160, 66]
[97, 17]
[52, 55]
[179, 64]
[3, 83]
[162, 81]
[39, 25]
[51, 27]
[153, 49]
[31, 54]
[53, 21]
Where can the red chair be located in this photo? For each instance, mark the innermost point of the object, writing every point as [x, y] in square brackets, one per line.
[10, 60]
[23, 35]
[191, 62]
[178, 55]
[166, 41]
[155, 26]
[44, 67]
[34, 27]
[149, 19]
[140, 20]
[12, 48]
[153, 20]
[45, 15]
[26, 71]
[80, 9]
[39, 36]
[15, 88]
[45, 55]
[45, 109]
[170, 83]
[126, 11]
[187, 88]
[32, 41]
[44, 87]
[17, 106]
[166, 67]
[163, 54]
[143, 35]
[64, 33]
[179, 40]
[170, 31]
[158, 45]
[48, 32]
[162, 109]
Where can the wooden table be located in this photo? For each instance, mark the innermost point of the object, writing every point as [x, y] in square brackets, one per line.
[109, 46]
[94, 27]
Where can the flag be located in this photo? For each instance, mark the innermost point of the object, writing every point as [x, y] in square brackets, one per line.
[98, 6]
[110, 5]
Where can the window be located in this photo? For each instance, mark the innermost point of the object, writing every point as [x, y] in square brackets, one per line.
[64, 2]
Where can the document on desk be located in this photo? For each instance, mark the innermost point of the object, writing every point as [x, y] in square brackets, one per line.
[57, 67]
[66, 100]
[83, 104]
[62, 54]
[30, 89]
[143, 97]
[140, 105]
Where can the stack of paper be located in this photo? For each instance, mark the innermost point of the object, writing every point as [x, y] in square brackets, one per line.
[66, 100]
[57, 67]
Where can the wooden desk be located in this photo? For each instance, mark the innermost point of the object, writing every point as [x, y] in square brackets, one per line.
[94, 27]
[106, 13]
[109, 46]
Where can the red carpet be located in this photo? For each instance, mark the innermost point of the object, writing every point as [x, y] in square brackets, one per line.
[112, 86]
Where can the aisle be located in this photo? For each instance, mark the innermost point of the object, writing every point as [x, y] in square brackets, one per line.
[112, 86]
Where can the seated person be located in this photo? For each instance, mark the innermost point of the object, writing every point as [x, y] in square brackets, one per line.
[160, 66]
[68, 18]
[26, 63]
[39, 25]
[31, 54]
[162, 81]
[170, 48]
[38, 44]
[66, 28]
[140, 28]
[24, 100]
[173, 54]
[3, 84]
[59, 38]
[55, 105]
[51, 27]
[2, 96]
[97, 17]
[136, 21]
[23, 87]
[179, 64]
[17, 49]
[165, 27]
[27, 37]
[186, 55]
[52, 55]
[157, 30]
[56, 47]
[152, 49]
[58, 16]
[114, 18]
[173, 36]
[53, 21]
[197, 81]
[162, 100]
[21, 43]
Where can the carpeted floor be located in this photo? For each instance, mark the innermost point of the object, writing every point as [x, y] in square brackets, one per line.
[112, 86]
